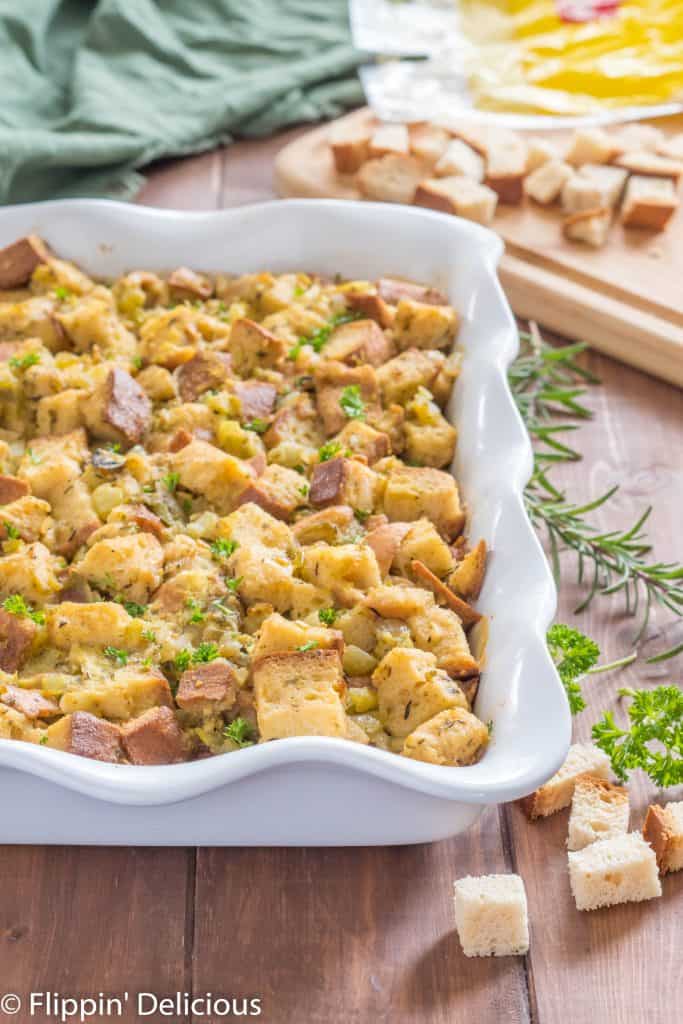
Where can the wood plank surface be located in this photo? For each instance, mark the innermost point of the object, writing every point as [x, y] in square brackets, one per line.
[366, 935]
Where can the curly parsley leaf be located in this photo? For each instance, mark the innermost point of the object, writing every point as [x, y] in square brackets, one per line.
[117, 654]
[654, 739]
[16, 605]
[240, 732]
[574, 654]
[327, 616]
[352, 403]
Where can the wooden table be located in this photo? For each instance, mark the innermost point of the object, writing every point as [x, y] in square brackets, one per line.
[364, 936]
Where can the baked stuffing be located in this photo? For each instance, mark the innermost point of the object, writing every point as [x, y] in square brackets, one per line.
[227, 515]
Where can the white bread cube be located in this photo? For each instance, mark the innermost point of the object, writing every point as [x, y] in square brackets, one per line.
[582, 193]
[649, 203]
[589, 226]
[651, 164]
[389, 138]
[641, 136]
[491, 915]
[460, 196]
[350, 147]
[592, 146]
[390, 179]
[557, 792]
[671, 147]
[539, 152]
[600, 810]
[428, 142]
[618, 870]
[547, 181]
[610, 180]
[459, 159]
[663, 830]
[505, 169]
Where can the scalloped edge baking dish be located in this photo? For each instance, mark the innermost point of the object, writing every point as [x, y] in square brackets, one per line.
[310, 790]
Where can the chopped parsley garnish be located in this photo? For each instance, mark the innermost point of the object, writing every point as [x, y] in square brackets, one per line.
[328, 450]
[34, 457]
[149, 634]
[171, 481]
[303, 490]
[12, 531]
[137, 362]
[361, 514]
[257, 426]
[327, 616]
[114, 446]
[43, 740]
[319, 338]
[310, 645]
[223, 548]
[240, 732]
[183, 660]
[16, 605]
[196, 609]
[117, 654]
[23, 362]
[134, 609]
[352, 403]
[62, 293]
[205, 652]
[234, 584]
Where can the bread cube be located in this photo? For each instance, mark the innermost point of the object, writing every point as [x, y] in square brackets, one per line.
[278, 634]
[88, 736]
[389, 139]
[651, 165]
[101, 623]
[592, 146]
[583, 759]
[506, 167]
[253, 347]
[460, 160]
[428, 142]
[399, 601]
[278, 491]
[130, 565]
[453, 738]
[30, 703]
[415, 492]
[30, 572]
[341, 571]
[663, 830]
[20, 259]
[582, 193]
[331, 379]
[649, 203]
[342, 481]
[350, 147]
[400, 378]
[491, 915]
[539, 152]
[618, 870]
[359, 341]
[547, 181]
[154, 738]
[128, 692]
[207, 688]
[589, 226]
[390, 179]
[411, 689]
[16, 639]
[610, 180]
[421, 541]
[118, 409]
[440, 631]
[641, 136]
[671, 147]
[27, 516]
[468, 576]
[430, 444]
[421, 325]
[206, 470]
[458, 195]
[600, 810]
[361, 439]
[298, 694]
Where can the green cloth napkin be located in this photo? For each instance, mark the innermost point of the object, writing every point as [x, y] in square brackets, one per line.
[89, 92]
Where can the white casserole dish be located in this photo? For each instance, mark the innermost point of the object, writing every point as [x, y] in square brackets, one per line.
[309, 790]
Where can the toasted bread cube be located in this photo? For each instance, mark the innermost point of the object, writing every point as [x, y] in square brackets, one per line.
[27, 516]
[342, 571]
[411, 689]
[215, 474]
[651, 165]
[649, 203]
[390, 179]
[415, 492]
[350, 147]
[298, 694]
[16, 638]
[331, 379]
[118, 409]
[468, 576]
[453, 738]
[600, 810]
[460, 196]
[278, 490]
[360, 341]
[641, 136]
[506, 167]
[278, 635]
[400, 378]
[421, 540]
[440, 630]
[253, 347]
[428, 142]
[101, 623]
[547, 181]
[582, 759]
[539, 152]
[610, 180]
[393, 289]
[389, 139]
[371, 305]
[460, 160]
[671, 147]
[210, 687]
[618, 870]
[582, 193]
[204, 372]
[430, 444]
[129, 692]
[130, 565]
[20, 259]
[30, 703]
[589, 226]
[12, 488]
[491, 915]
[385, 541]
[154, 738]
[592, 146]
[420, 325]
[663, 830]
[399, 601]
[342, 481]
[87, 736]
[31, 572]
[186, 283]
[332, 525]
[361, 439]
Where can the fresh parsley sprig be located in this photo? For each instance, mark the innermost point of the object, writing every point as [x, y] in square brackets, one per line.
[576, 656]
[653, 740]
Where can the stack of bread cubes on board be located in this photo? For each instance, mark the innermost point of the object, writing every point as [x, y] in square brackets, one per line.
[468, 169]
[607, 863]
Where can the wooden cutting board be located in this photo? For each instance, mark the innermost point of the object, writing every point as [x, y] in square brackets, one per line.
[625, 300]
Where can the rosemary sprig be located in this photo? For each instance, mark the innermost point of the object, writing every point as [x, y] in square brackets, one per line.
[549, 386]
